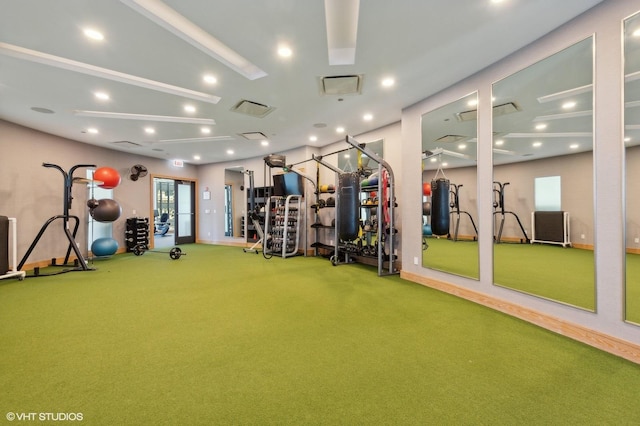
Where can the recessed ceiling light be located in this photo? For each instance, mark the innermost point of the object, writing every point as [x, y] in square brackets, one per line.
[189, 108]
[210, 79]
[93, 34]
[472, 102]
[388, 82]
[627, 139]
[285, 51]
[196, 157]
[230, 151]
[636, 33]
[568, 105]
[149, 130]
[103, 96]
[367, 117]
[574, 146]
[347, 156]
[462, 146]
[541, 126]
[340, 129]
[537, 144]
[92, 130]
[433, 159]
[313, 138]
[264, 143]
[499, 142]
[445, 164]
[205, 130]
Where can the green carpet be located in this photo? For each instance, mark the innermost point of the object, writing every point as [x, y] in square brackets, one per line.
[566, 275]
[222, 337]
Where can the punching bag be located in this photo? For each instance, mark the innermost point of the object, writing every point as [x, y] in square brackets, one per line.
[348, 205]
[440, 206]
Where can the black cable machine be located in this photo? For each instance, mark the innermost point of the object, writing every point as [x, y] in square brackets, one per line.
[79, 264]
[498, 203]
[454, 203]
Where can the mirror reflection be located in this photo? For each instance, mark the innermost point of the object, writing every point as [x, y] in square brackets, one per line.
[632, 155]
[449, 188]
[543, 178]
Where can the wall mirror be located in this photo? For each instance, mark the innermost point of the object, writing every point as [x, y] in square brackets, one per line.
[543, 178]
[234, 199]
[449, 153]
[632, 155]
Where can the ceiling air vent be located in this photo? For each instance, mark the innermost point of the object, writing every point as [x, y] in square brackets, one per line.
[254, 136]
[498, 110]
[126, 144]
[341, 85]
[450, 138]
[251, 108]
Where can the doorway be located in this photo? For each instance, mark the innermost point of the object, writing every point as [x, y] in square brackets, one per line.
[173, 212]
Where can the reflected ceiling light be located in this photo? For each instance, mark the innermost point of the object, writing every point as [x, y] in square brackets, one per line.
[103, 96]
[205, 130]
[347, 156]
[541, 126]
[264, 143]
[210, 79]
[499, 142]
[568, 105]
[284, 51]
[433, 159]
[313, 138]
[93, 34]
[230, 151]
[149, 130]
[181, 27]
[388, 82]
[367, 117]
[462, 146]
[445, 164]
[196, 157]
[497, 1]
[537, 144]
[92, 130]
[340, 129]
[627, 139]
[189, 108]
[636, 33]
[472, 102]
[574, 146]
[341, 19]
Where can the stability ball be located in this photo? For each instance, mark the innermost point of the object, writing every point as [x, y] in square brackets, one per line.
[426, 208]
[107, 210]
[426, 230]
[109, 177]
[104, 247]
[426, 189]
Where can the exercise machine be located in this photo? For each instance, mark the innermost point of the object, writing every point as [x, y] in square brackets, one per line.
[79, 264]
[254, 216]
[455, 210]
[498, 204]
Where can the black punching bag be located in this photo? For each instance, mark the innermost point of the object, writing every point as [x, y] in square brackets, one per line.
[440, 206]
[348, 205]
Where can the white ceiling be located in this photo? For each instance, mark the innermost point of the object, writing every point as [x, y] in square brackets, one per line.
[151, 71]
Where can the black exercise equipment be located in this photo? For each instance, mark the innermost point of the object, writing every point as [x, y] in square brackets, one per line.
[79, 264]
[348, 190]
[455, 206]
[175, 253]
[162, 226]
[498, 203]
[4, 244]
[440, 206]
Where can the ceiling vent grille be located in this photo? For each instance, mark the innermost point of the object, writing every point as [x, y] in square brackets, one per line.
[126, 144]
[251, 108]
[450, 138]
[254, 136]
[498, 110]
[341, 85]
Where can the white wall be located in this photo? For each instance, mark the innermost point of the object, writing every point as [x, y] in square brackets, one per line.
[605, 21]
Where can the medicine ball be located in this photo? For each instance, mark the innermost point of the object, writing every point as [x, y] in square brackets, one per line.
[331, 202]
[426, 208]
[107, 210]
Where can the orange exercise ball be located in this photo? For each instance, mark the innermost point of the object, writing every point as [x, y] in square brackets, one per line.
[426, 189]
[109, 177]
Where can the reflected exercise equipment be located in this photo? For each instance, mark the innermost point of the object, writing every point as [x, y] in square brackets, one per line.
[498, 203]
[440, 206]
[455, 205]
[175, 253]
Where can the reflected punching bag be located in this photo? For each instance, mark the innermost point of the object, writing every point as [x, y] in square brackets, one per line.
[440, 206]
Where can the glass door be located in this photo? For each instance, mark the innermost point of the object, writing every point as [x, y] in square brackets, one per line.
[185, 212]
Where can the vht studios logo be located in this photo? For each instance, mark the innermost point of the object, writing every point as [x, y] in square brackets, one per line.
[52, 417]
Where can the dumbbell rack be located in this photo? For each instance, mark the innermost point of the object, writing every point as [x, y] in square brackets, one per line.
[136, 232]
[283, 225]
